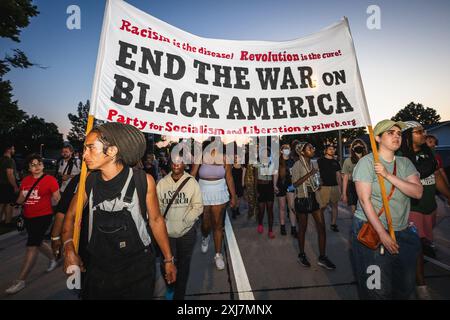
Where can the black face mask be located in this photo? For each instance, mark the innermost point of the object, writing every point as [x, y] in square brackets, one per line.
[358, 149]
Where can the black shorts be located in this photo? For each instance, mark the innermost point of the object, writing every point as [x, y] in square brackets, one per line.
[37, 228]
[283, 188]
[313, 207]
[7, 194]
[266, 192]
[239, 189]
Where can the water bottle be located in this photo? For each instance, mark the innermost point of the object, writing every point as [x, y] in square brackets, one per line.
[316, 176]
[412, 227]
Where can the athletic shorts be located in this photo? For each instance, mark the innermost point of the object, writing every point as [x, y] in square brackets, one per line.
[266, 193]
[328, 194]
[37, 228]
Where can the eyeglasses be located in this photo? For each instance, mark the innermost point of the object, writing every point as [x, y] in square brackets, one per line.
[420, 131]
[36, 164]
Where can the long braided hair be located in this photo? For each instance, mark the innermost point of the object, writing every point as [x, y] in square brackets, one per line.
[427, 165]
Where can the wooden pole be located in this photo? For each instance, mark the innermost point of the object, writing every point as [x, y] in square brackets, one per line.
[387, 211]
[81, 191]
[374, 147]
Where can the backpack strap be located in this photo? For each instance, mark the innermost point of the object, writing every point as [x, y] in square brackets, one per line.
[58, 163]
[128, 198]
[140, 181]
[34, 186]
[69, 166]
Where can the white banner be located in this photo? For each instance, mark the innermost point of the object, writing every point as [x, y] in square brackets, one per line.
[167, 81]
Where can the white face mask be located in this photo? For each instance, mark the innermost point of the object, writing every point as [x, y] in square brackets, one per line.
[286, 152]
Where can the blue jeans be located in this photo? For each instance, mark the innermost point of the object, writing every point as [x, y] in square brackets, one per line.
[397, 272]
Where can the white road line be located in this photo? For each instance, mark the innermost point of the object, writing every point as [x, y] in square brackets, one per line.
[438, 263]
[240, 275]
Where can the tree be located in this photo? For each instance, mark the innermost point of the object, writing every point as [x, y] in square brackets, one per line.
[10, 114]
[77, 134]
[14, 15]
[417, 112]
[35, 131]
[352, 134]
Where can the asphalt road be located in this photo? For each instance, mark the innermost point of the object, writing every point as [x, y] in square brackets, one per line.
[256, 267]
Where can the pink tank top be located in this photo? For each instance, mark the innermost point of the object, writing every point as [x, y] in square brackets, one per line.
[211, 171]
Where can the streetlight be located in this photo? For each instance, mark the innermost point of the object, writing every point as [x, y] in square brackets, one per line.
[40, 149]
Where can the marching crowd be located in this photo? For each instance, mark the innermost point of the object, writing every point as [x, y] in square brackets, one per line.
[138, 209]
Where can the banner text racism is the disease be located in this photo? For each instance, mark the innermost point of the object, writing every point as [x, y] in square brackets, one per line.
[167, 81]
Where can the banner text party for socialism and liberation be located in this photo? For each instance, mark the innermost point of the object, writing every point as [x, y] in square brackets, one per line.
[164, 80]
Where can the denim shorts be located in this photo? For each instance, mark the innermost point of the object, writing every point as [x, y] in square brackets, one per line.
[397, 273]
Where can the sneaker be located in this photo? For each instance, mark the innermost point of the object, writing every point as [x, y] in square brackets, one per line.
[169, 293]
[294, 232]
[260, 228]
[271, 235]
[326, 263]
[16, 287]
[220, 264]
[283, 230]
[303, 260]
[423, 293]
[52, 265]
[205, 244]
[334, 228]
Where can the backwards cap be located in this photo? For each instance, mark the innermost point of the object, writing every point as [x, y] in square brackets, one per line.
[128, 139]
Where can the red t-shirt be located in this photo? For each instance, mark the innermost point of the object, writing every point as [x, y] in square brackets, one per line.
[39, 202]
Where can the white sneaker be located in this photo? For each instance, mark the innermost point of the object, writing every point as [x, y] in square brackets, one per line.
[205, 244]
[220, 264]
[52, 265]
[16, 287]
[423, 293]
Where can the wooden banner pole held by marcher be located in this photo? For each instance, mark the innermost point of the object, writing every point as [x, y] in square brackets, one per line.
[90, 124]
[81, 191]
[387, 211]
[374, 147]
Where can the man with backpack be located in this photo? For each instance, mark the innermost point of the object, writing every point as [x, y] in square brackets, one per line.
[67, 167]
[115, 242]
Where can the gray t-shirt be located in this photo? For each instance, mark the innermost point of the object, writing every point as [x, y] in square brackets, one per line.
[347, 167]
[400, 203]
